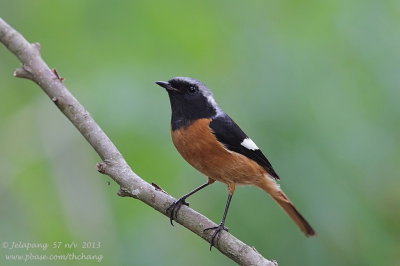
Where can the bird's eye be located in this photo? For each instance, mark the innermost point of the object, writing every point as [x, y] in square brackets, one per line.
[193, 89]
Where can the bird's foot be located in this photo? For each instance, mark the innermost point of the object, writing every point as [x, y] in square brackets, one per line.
[174, 208]
[217, 233]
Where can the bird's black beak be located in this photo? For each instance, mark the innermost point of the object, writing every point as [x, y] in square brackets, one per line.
[166, 85]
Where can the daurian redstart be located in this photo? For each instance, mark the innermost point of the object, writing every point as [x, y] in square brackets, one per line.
[209, 140]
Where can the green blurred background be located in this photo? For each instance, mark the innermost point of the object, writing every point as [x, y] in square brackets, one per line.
[314, 83]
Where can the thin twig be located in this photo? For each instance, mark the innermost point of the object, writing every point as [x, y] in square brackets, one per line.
[114, 165]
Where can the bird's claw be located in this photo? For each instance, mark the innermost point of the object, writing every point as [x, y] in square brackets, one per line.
[174, 208]
[217, 233]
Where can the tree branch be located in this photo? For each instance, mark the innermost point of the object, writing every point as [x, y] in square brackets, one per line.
[114, 165]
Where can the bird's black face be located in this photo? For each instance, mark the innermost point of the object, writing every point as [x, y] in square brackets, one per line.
[190, 100]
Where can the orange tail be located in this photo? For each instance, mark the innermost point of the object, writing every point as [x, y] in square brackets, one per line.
[277, 194]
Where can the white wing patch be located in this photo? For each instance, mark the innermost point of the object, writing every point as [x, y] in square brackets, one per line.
[249, 144]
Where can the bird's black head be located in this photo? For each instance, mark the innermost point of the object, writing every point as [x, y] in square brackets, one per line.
[190, 100]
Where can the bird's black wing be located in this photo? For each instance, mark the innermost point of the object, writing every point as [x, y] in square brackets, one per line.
[232, 136]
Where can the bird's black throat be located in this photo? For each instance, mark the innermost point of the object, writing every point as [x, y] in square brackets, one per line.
[187, 110]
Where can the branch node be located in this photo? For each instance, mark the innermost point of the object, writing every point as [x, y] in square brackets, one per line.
[54, 99]
[158, 188]
[101, 167]
[61, 79]
[22, 73]
[123, 192]
[36, 46]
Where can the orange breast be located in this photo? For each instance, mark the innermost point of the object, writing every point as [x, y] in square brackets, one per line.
[200, 148]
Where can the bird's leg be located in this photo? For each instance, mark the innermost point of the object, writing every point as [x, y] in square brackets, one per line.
[174, 208]
[219, 228]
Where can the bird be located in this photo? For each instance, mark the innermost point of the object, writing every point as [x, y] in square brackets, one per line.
[210, 141]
